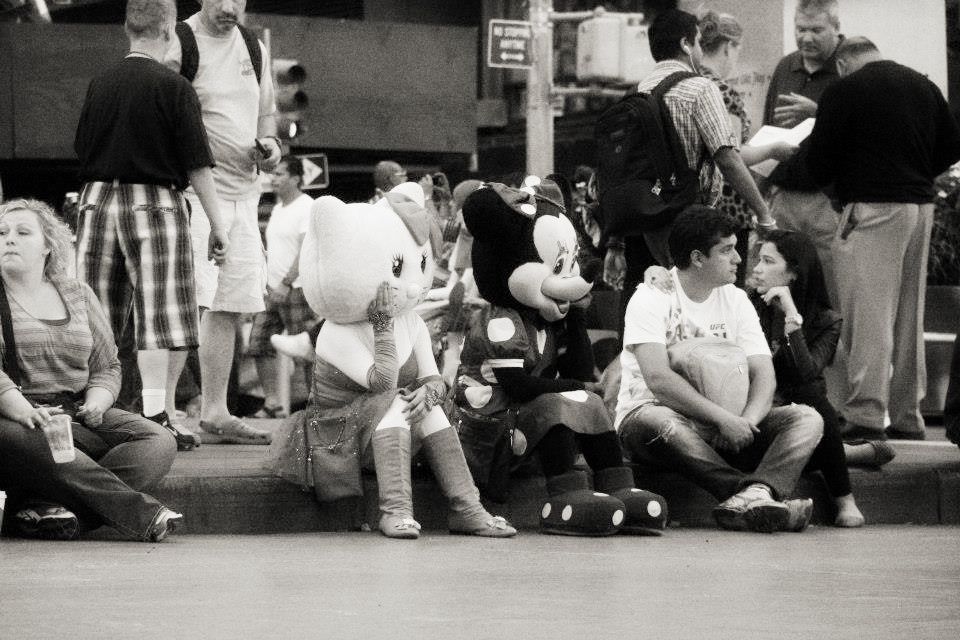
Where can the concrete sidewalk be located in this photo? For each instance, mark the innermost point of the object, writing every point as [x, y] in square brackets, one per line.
[224, 489]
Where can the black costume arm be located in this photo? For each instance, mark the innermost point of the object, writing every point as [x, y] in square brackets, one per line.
[522, 387]
[578, 361]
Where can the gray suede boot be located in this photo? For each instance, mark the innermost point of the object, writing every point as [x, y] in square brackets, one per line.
[467, 515]
[391, 457]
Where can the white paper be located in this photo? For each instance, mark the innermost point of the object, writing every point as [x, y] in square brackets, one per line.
[769, 134]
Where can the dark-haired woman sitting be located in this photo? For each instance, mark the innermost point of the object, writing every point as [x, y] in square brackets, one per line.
[803, 330]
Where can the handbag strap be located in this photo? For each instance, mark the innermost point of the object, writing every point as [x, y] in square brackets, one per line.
[11, 364]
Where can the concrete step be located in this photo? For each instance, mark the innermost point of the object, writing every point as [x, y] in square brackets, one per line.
[224, 489]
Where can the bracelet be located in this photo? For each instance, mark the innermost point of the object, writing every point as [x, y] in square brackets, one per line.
[381, 320]
[616, 244]
[767, 225]
[433, 397]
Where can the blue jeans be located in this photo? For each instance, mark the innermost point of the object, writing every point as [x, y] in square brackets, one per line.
[103, 491]
[658, 436]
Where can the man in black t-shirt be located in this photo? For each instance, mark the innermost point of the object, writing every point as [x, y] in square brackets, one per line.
[883, 133]
[140, 141]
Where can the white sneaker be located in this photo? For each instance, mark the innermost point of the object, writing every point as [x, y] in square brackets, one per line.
[297, 347]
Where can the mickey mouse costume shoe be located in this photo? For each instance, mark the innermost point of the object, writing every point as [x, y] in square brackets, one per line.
[573, 509]
[646, 512]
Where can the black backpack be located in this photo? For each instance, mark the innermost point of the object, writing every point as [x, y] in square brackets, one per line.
[643, 178]
[190, 60]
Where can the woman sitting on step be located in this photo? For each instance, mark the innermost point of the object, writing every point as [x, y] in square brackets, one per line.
[59, 357]
[802, 329]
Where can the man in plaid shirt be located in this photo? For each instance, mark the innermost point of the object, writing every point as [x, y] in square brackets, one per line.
[697, 110]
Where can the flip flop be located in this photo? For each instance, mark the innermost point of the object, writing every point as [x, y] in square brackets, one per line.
[883, 452]
[235, 431]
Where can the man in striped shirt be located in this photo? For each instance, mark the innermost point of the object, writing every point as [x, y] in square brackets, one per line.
[697, 110]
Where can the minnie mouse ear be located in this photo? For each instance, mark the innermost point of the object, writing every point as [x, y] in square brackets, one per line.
[496, 212]
[550, 198]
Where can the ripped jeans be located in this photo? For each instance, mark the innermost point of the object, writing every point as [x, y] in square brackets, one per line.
[658, 436]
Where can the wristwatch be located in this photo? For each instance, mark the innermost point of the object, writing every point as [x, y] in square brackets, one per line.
[796, 319]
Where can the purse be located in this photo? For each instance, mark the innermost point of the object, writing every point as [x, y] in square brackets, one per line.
[717, 368]
[333, 456]
[487, 445]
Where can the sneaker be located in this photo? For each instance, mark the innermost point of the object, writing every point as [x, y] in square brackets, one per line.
[164, 523]
[801, 511]
[731, 514]
[186, 439]
[768, 516]
[297, 346]
[47, 522]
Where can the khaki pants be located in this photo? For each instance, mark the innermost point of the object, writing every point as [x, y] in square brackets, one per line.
[810, 213]
[880, 254]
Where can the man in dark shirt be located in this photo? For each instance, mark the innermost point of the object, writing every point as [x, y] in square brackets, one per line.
[883, 133]
[140, 140]
[796, 86]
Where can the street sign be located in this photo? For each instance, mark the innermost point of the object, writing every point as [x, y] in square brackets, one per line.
[510, 44]
[316, 171]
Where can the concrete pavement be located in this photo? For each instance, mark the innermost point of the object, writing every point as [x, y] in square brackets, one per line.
[879, 582]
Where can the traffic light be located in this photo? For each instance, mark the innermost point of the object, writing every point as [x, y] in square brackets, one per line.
[288, 78]
[613, 47]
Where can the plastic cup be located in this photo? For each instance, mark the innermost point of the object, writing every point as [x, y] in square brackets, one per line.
[59, 433]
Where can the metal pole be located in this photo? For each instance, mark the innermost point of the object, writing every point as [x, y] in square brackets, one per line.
[539, 88]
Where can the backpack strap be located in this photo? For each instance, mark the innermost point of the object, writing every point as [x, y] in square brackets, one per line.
[253, 48]
[669, 157]
[11, 365]
[190, 53]
[190, 57]
[673, 147]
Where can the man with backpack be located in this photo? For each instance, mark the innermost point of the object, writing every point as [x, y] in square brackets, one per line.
[226, 64]
[638, 211]
[716, 427]
[140, 142]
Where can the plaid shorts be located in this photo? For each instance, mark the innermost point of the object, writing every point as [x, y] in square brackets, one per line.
[133, 249]
[294, 315]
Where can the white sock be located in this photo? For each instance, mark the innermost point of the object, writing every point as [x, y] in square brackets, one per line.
[154, 401]
[758, 490]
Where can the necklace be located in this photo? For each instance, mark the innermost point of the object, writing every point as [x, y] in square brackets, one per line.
[139, 54]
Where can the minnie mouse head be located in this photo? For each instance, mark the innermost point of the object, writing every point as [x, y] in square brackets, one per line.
[525, 249]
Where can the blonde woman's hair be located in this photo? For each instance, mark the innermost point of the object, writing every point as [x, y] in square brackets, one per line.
[56, 235]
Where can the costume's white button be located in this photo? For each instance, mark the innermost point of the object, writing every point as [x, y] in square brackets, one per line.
[567, 513]
[545, 512]
[519, 443]
[528, 209]
[617, 517]
[654, 509]
[500, 329]
[478, 397]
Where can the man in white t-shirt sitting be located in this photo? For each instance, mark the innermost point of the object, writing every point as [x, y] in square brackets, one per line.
[287, 308]
[750, 462]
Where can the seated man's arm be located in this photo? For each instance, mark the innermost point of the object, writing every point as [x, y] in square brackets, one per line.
[673, 391]
[763, 382]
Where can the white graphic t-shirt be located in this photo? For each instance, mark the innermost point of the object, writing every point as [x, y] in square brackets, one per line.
[654, 316]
